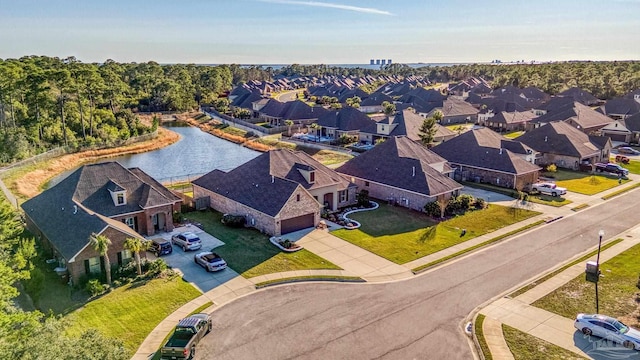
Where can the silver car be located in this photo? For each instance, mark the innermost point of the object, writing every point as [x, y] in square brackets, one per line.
[187, 240]
[608, 328]
[210, 261]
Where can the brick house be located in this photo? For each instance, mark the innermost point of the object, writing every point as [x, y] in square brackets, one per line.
[105, 199]
[278, 192]
[564, 145]
[402, 171]
[482, 155]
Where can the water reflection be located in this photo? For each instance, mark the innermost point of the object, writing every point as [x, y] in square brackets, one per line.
[196, 153]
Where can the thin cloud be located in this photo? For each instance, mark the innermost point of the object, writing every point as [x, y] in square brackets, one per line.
[331, 5]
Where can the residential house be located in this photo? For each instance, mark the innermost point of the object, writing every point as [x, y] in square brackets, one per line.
[620, 108]
[455, 111]
[482, 155]
[346, 121]
[106, 199]
[278, 192]
[580, 95]
[402, 171]
[575, 114]
[505, 121]
[626, 130]
[561, 144]
[373, 103]
[405, 122]
[276, 112]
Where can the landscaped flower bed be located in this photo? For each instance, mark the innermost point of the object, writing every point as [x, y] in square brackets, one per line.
[285, 245]
[341, 218]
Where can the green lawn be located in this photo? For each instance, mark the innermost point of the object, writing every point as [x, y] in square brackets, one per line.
[528, 347]
[402, 235]
[633, 166]
[513, 134]
[250, 252]
[555, 201]
[617, 290]
[130, 312]
[584, 183]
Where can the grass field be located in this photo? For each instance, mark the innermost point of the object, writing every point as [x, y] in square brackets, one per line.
[130, 312]
[401, 235]
[584, 183]
[528, 347]
[250, 252]
[617, 291]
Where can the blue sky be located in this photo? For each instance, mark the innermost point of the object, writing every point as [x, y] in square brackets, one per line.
[330, 32]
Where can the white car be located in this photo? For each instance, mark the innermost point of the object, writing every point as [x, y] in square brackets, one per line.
[608, 328]
[210, 261]
[187, 240]
[548, 189]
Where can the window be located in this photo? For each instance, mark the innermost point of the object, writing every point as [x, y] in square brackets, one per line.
[130, 222]
[312, 177]
[124, 257]
[366, 183]
[344, 196]
[93, 265]
[119, 199]
[298, 197]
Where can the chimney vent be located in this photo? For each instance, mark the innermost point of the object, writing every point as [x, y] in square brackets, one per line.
[545, 139]
[414, 171]
[75, 209]
[500, 151]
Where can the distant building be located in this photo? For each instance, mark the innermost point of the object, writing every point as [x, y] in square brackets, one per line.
[389, 62]
[372, 62]
[377, 61]
[384, 61]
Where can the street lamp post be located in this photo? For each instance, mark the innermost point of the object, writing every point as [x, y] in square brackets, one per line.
[600, 235]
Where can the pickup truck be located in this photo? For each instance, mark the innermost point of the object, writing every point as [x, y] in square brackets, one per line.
[548, 189]
[182, 344]
[611, 168]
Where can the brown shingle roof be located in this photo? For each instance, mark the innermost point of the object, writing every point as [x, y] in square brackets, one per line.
[402, 163]
[560, 138]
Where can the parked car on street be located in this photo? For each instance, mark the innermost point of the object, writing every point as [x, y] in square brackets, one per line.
[548, 188]
[622, 159]
[628, 150]
[611, 168]
[160, 247]
[187, 240]
[608, 328]
[210, 261]
[189, 331]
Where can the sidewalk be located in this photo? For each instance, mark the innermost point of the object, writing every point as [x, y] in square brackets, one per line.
[555, 329]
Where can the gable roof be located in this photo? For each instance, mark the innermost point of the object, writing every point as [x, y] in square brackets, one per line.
[577, 113]
[633, 122]
[512, 117]
[580, 95]
[620, 106]
[405, 164]
[455, 107]
[406, 123]
[376, 99]
[81, 204]
[560, 138]
[267, 182]
[484, 148]
[346, 119]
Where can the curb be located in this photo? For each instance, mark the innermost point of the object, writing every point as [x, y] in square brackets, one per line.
[311, 279]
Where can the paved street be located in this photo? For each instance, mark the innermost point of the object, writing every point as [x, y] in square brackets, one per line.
[415, 319]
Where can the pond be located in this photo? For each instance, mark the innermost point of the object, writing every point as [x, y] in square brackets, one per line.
[195, 154]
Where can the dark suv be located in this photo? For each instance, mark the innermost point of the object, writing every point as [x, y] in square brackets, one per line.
[161, 247]
[612, 168]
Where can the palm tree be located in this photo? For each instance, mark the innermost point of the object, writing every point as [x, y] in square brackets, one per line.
[136, 245]
[289, 124]
[101, 244]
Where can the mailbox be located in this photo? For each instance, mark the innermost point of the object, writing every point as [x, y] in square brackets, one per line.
[592, 272]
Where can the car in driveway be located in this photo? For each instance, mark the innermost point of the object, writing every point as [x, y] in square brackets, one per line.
[628, 150]
[548, 188]
[608, 328]
[612, 168]
[187, 241]
[160, 247]
[210, 261]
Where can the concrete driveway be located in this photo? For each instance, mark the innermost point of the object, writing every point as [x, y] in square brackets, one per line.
[489, 196]
[183, 261]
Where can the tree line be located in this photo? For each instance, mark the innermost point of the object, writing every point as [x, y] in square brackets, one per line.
[31, 334]
[47, 102]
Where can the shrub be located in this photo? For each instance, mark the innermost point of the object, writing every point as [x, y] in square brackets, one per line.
[95, 287]
[363, 199]
[34, 284]
[551, 168]
[178, 217]
[235, 221]
[432, 209]
[156, 267]
[480, 203]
